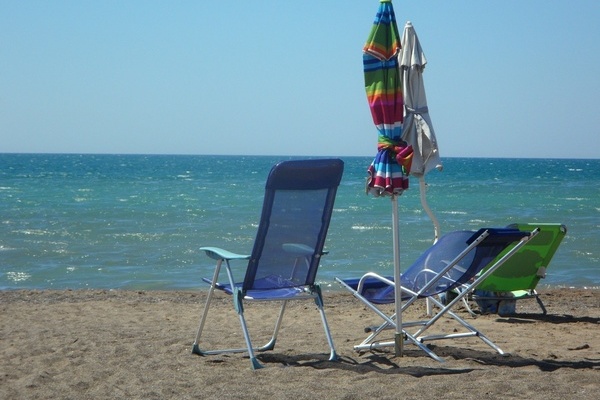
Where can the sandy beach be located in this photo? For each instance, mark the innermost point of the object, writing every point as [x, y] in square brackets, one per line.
[100, 344]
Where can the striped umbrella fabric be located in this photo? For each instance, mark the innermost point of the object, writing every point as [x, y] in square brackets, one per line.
[388, 173]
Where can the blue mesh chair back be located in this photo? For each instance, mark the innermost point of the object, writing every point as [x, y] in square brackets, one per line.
[429, 274]
[434, 261]
[298, 203]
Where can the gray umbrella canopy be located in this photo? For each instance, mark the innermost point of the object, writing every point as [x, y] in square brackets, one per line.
[417, 127]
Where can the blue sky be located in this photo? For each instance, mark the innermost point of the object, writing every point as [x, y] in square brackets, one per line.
[505, 79]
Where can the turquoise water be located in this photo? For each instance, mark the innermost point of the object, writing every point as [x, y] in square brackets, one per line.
[136, 222]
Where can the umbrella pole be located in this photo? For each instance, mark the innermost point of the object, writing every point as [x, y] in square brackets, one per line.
[398, 337]
[436, 224]
[436, 227]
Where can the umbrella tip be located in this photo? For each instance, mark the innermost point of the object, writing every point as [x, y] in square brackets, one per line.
[408, 23]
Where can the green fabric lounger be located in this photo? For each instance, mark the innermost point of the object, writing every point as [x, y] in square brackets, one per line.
[518, 278]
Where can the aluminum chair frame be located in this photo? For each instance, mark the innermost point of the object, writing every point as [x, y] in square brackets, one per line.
[300, 175]
[418, 336]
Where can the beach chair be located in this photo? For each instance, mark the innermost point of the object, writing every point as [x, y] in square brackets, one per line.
[454, 260]
[297, 208]
[519, 277]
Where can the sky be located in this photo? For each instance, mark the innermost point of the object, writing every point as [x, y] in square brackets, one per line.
[504, 78]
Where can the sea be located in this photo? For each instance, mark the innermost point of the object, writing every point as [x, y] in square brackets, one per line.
[136, 222]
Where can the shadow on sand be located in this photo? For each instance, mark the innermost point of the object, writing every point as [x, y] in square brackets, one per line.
[385, 362]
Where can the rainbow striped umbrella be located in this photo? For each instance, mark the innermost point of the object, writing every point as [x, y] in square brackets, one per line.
[388, 173]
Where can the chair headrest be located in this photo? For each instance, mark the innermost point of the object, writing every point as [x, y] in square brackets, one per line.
[306, 174]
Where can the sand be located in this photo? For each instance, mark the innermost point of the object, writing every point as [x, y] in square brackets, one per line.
[100, 344]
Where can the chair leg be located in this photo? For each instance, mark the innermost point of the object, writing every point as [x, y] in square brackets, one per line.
[369, 343]
[239, 307]
[270, 345]
[319, 302]
[195, 346]
[468, 307]
[389, 322]
[540, 303]
[255, 364]
[472, 331]
[253, 360]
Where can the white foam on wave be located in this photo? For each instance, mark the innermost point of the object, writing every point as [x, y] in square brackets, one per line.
[454, 212]
[369, 228]
[15, 276]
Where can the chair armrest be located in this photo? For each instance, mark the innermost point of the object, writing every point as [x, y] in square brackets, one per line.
[220, 254]
[300, 249]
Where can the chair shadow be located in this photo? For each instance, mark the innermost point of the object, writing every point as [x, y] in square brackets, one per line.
[548, 318]
[375, 362]
[385, 363]
[514, 361]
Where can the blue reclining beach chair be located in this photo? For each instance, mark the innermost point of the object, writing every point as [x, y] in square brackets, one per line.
[297, 208]
[453, 261]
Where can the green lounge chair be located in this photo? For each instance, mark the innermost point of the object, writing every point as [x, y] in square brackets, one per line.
[519, 276]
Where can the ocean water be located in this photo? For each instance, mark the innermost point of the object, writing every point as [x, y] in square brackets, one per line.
[137, 221]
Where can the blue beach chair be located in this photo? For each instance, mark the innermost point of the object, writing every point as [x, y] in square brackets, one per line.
[454, 260]
[297, 208]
